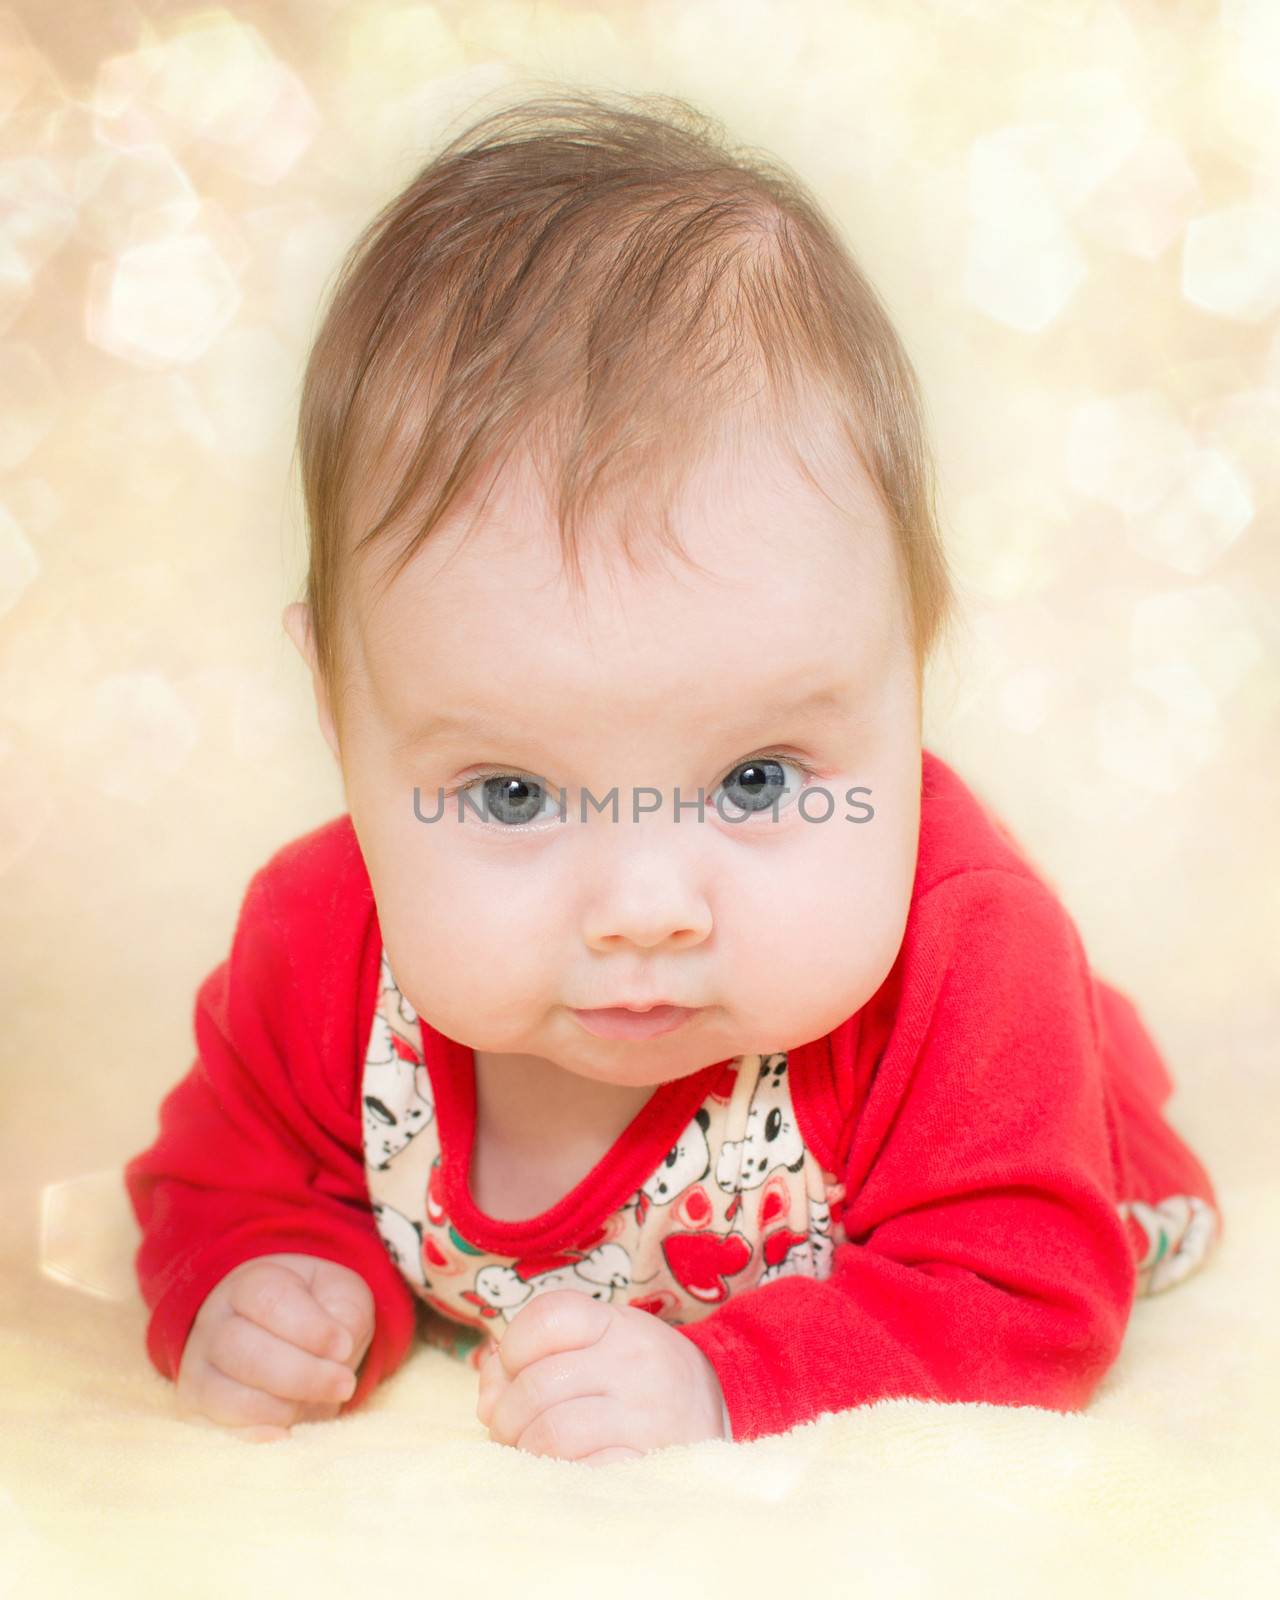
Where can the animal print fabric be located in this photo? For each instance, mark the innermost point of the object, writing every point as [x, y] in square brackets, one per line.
[737, 1201]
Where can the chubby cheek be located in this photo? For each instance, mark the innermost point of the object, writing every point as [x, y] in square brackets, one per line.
[796, 983]
[471, 948]
[815, 942]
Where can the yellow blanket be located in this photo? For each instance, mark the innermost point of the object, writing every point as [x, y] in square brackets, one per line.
[1166, 1487]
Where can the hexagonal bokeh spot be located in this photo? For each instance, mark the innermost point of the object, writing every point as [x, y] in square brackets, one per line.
[1145, 205]
[1022, 263]
[1231, 261]
[132, 197]
[1201, 517]
[1128, 450]
[162, 302]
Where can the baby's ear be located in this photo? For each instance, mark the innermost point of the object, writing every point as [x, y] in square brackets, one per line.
[296, 618]
[297, 624]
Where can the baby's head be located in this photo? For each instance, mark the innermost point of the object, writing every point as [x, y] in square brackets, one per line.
[618, 492]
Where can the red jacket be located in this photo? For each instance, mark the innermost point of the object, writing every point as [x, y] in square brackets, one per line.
[986, 1109]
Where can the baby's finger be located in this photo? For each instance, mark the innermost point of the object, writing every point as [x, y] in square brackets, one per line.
[313, 1411]
[228, 1402]
[493, 1384]
[563, 1400]
[242, 1350]
[277, 1299]
[556, 1322]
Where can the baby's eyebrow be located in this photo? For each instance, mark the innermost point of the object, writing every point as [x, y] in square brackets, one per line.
[444, 726]
[439, 727]
[812, 703]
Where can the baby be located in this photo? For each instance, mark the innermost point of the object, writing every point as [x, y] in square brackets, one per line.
[659, 1008]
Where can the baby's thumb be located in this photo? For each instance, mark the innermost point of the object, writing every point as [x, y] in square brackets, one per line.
[348, 1300]
[352, 1320]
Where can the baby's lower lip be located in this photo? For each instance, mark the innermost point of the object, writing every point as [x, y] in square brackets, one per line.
[618, 1023]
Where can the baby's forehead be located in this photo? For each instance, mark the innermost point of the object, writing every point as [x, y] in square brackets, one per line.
[490, 625]
[748, 513]
[772, 569]
[782, 572]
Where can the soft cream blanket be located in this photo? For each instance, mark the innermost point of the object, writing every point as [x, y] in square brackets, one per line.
[1169, 1485]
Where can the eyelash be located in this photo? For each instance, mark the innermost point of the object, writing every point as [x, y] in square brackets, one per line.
[512, 772]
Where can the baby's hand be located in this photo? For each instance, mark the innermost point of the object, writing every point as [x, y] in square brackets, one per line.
[278, 1341]
[576, 1378]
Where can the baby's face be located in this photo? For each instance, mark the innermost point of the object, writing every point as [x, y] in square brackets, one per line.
[776, 924]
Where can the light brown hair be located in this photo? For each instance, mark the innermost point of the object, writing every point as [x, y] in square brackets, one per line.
[599, 279]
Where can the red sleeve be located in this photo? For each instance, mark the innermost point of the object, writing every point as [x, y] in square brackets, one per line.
[985, 1259]
[258, 1151]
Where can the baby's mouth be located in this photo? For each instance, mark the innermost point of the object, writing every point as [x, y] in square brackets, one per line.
[626, 1022]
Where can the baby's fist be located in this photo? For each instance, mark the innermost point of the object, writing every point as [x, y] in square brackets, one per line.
[278, 1341]
[586, 1380]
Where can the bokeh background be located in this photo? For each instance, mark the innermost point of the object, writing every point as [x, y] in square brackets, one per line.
[1072, 210]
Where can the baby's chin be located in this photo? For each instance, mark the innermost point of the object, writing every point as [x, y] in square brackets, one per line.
[646, 1063]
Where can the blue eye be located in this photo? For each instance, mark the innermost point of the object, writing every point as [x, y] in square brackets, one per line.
[758, 785]
[510, 799]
